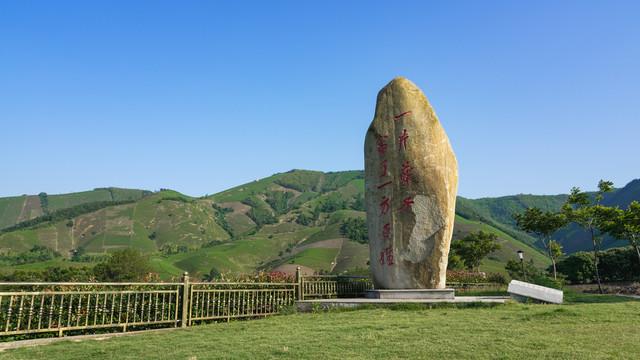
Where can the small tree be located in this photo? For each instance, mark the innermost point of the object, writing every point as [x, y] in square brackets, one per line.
[124, 265]
[589, 215]
[625, 224]
[474, 247]
[544, 225]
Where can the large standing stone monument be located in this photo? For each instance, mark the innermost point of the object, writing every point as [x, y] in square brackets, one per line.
[411, 181]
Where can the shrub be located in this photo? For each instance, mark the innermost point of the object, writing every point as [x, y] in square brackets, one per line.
[124, 265]
[461, 276]
[259, 211]
[514, 268]
[261, 276]
[356, 230]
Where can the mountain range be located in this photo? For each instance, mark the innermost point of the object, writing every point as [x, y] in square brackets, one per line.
[298, 218]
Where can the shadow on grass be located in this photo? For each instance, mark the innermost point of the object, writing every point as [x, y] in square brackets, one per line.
[574, 297]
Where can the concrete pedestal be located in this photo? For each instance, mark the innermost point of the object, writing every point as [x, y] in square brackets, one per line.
[410, 294]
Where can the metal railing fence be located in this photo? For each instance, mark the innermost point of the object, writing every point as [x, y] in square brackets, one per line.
[332, 286]
[40, 307]
[37, 307]
[210, 301]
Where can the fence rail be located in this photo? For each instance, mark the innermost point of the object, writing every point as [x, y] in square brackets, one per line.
[332, 286]
[59, 307]
[209, 301]
[39, 307]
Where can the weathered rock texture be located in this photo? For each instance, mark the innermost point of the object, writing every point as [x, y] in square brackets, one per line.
[411, 181]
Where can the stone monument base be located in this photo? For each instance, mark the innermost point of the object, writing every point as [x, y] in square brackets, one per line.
[399, 294]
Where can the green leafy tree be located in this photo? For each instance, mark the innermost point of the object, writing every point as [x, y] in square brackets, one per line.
[514, 268]
[124, 265]
[221, 219]
[591, 216]
[454, 263]
[474, 247]
[44, 202]
[625, 224]
[303, 219]
[278, 200]
[544, 225]
[259, 212]
[359, 204]
[356, 230]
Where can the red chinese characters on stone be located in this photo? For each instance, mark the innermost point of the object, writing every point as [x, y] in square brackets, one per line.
[383, 185]
[386, 231]
[405, 204]
[401, 115]
[402, 140]
[386, 256]
[382, 146]
[405, 174]
[383, 164]
[384, 205]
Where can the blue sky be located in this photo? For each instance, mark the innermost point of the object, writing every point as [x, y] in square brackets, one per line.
[201, 96]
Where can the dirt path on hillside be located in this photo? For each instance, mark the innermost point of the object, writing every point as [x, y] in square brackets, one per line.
[24, 209]
[335, 259]
[237, 206]
[133, 220]
[291, 269]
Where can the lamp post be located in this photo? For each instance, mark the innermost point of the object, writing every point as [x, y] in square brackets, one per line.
[524, 275]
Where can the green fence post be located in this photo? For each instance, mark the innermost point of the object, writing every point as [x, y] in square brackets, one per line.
[299, 281]
[185, 299]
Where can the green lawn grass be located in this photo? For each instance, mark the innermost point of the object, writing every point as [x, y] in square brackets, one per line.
[587, 327]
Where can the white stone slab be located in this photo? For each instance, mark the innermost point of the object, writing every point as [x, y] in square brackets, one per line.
[520, 290]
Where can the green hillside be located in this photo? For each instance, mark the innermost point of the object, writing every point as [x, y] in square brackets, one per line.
[280, 222]
[499, 211]
[16, 209]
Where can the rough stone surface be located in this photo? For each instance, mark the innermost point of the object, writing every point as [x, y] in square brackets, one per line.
[411, 181]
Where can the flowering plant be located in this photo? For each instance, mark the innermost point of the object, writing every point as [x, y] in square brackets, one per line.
[261, 276]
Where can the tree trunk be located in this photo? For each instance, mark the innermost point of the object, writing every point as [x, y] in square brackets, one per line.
[635, 246]
[595, 265]
[553, 260]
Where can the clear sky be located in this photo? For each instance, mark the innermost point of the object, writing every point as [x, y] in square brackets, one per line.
[201, 96]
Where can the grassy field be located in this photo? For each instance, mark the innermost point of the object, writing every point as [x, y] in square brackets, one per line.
[509, 244]
[586, 327]
[10, 210]
[315, 258]
[241, 192]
